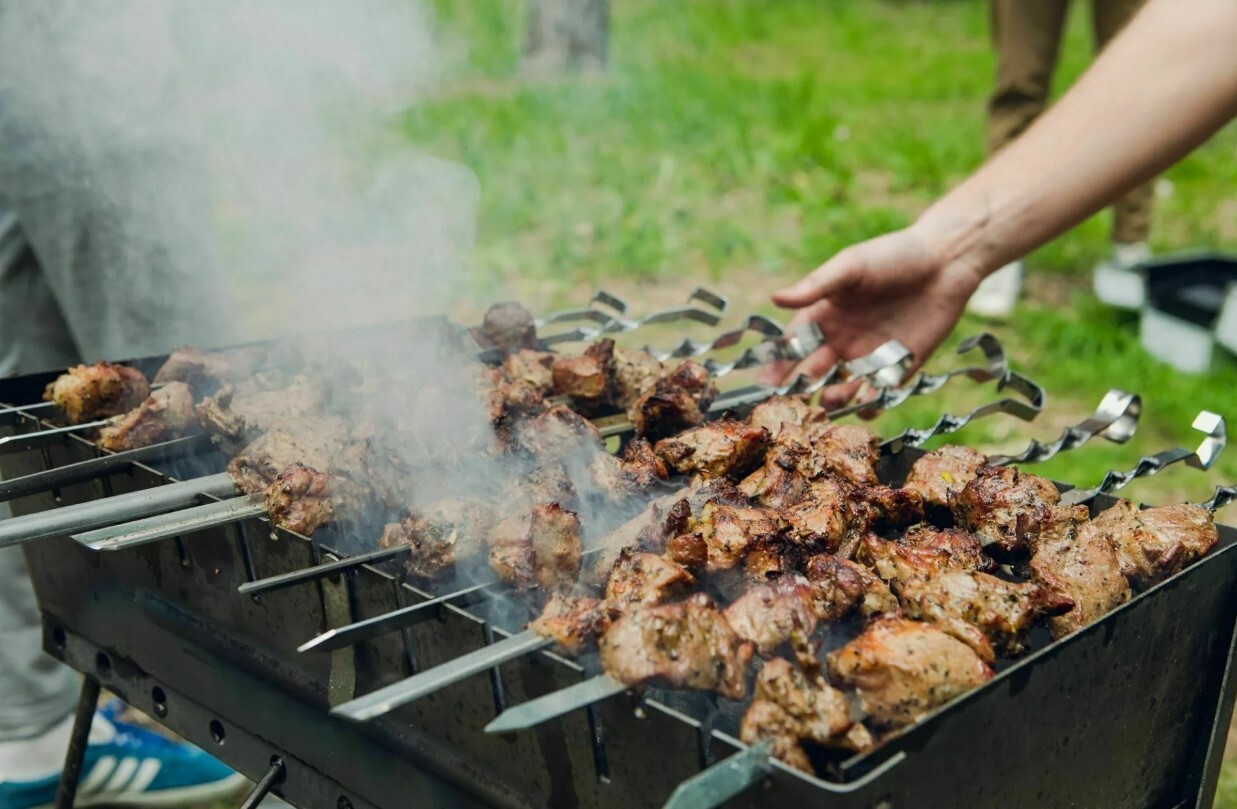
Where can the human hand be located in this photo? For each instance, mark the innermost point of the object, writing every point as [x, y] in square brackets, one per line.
[897, 286]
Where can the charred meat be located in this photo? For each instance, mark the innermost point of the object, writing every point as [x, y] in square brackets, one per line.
[730, 531]
[646, 578]
[316, 441]
[789, 708]
[769, 615]
[723, 448]
[780, 482]
[587, 379]
[507, 326]
[299, 499]
[574, 622]
[1155, 543]
[687, 644]
[1006, 507]
[91, 392]
[634, 373]
[902, 669]
[440, 536]
[940, 475]
[204, 371]
[1074, 558]
[538, 549]
[165, 414]
[840, 587]
[676, 402]
[849, 451]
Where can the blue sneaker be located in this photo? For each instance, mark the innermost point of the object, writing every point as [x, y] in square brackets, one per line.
[127, 765]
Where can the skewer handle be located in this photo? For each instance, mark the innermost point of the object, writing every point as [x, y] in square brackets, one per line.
[725, 780]
[162, 526]
[1116, 419]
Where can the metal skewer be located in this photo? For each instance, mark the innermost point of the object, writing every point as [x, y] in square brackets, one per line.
[308, 574]
[32, 440]
[1115, 419]
[1216, 437]
[162, 526]
[121, 507]
[725, 780]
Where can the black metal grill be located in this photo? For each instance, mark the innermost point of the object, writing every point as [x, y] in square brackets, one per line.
[1130, 711]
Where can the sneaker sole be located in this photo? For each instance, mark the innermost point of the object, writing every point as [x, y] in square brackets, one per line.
[181, 796]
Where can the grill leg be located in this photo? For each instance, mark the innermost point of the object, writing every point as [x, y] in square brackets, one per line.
[261, 789]
[73, 759]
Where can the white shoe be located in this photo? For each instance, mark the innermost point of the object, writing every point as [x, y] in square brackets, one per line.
[996, 295]
[1119, 279]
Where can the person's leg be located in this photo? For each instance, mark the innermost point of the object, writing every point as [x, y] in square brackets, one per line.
[1132, 213]
[1026, 37]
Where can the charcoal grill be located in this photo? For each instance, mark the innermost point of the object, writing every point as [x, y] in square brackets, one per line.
[1133, 710]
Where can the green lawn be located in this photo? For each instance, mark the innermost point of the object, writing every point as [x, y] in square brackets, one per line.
[739, 143]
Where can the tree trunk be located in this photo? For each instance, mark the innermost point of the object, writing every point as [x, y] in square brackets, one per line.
[566, 35]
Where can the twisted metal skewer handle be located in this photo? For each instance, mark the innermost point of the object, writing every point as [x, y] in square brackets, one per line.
[994, 366]
[1216, 437]
[1115, 419]
[609, 312]
[1025, 410]
[1222, 497]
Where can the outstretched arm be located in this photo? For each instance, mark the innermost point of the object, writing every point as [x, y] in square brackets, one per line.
[1158, 90]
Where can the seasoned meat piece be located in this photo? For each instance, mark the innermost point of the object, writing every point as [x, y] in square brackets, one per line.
[620, 479]
[558, 433]
[1155, 543]
[966, 551]
[982, 611]
[824, 516]
[674, 403]
[724, 448]
[92, 392]
[690, 551]
[1005, 506]
[730, 531]
[574, 622]
[940, 474]
[780, 483]
[236, 415]
[588, 379]
[772, 556]
[903, 669]
[886, 508]
[166, 414]
[768, 615]
[299, 499]
[896, 562]
[838, 586]
[531, 367]
[1074, 558]
[204, 371]
[507, 326]
[789, 708]
[316, 441]
[538, 549]
[440, 535]
[773, 413]
[645, 578]
[849, 451]
[686, 645]
[642, 464]
[634, 373]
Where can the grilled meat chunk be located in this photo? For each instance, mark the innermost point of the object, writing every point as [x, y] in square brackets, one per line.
[899, 562]
[538, 549]
[984, 612]
[687, 644]
[903, 669]
[780, 483]
[640, 577]
[204, 371]
[165, 414]
[440, 536]
[886, 508]
[729, 531]
[769, 615]
[1006, 507]
[588, 379]
[1074, 558]
[642, 464]
[676, 402]
[1155, 543]
[840, 587]
[789, 708]
[92, 392]
[507, 326]
[825, 515]
[315, 441]
[770, 557]
[558, 433]
[724, 448]
[940, 475]
[849, 451]
[636, 471]
[634, 373]
[773, 414]
[574, 622]
[965, 550]
[236, 415]
[299, 499]
[532, 368]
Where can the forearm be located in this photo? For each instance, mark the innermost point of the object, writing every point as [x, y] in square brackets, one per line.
[1161, 88]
